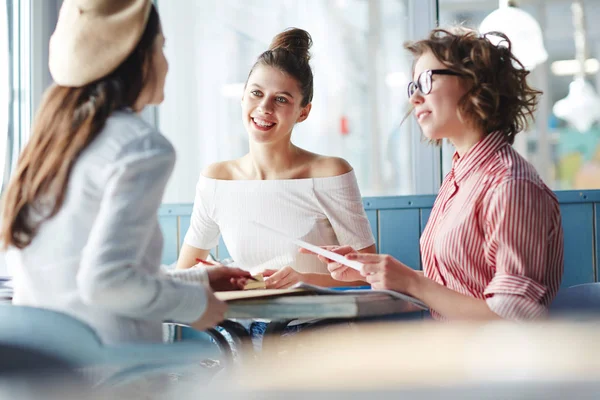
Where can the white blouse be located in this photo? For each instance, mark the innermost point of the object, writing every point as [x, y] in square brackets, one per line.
[99, 258]
[321, 211]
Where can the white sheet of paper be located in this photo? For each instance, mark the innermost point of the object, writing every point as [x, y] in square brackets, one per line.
[315, 249]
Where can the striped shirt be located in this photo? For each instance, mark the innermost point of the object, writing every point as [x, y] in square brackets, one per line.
[495, 232]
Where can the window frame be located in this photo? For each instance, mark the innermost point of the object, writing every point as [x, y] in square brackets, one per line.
[20, 90]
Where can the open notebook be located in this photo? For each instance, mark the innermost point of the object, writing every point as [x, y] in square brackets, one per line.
[307, 289]
[308, 301]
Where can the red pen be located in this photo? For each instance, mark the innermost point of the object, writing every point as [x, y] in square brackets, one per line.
[204, 262]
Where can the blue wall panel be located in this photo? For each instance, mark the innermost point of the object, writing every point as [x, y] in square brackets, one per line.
[372, 216]
[184, 224]
[394, 202]
[400, 232]
[168, 225]
[578, 196]
[398, 222]
[597, 240]
[425, 213]
[578, 225]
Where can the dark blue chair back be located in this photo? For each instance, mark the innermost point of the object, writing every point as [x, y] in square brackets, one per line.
[74, 343]
[577, 300]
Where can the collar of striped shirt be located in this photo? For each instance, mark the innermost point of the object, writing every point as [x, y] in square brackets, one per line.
[485, 148]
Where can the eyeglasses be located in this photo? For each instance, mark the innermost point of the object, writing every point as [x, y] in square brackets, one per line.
[423, 83]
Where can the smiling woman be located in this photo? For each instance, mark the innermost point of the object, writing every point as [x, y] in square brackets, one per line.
[310, 196]
[272, 105]
[279, 89]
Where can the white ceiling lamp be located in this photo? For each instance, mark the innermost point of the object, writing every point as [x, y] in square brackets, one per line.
[581, 107]
[521, 28]
[571, 67]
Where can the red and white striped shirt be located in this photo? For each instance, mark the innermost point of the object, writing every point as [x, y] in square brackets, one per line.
[495, 232]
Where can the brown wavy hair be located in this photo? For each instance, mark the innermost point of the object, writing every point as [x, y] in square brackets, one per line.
[67, 121]
[498, 97]
[289, 52]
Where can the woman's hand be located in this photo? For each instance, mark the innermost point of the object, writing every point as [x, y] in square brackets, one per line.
[214, 313]
[338, 271]
[383, 271]
[223, 278]
[283, 278]
[227, 278]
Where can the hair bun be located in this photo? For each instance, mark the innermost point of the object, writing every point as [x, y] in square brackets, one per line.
[295, 40]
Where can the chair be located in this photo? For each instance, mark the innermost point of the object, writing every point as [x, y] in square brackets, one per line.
[68, 339]
[238, 334]
[577, 301]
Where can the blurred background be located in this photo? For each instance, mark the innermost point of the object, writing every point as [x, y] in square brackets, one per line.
[361, 72]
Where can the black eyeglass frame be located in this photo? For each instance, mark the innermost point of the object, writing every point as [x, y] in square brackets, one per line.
[427, 75]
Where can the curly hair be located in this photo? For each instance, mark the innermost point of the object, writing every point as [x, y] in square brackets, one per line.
[498, 97]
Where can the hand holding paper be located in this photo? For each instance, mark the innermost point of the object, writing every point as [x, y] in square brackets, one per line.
[384, 272]
[338, 271]
[315, 249]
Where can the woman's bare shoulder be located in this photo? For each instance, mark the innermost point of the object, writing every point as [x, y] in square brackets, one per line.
[326, 166]
[223, 170]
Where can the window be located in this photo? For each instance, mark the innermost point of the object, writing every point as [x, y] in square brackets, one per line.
[361, 72]
[565, 157]
[4, 94]
[15, 64]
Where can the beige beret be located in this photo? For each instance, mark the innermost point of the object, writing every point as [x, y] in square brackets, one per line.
[93, 37]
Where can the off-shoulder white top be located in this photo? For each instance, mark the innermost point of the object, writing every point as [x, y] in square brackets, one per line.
[321, 211]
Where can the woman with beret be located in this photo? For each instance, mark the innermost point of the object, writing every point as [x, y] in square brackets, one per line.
[80, 215]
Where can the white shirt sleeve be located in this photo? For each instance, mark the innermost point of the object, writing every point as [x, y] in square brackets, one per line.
[342, 204]
[110, 275]
[197, 276]
[203, 232]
